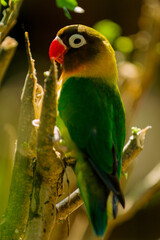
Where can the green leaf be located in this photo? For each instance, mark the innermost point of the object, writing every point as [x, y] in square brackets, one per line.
[4, 3]
[66, 12]
[71, 5]
[109, 29]
[124, 44]
[67, 4]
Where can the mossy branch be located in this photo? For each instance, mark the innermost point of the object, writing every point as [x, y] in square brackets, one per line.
[133, 147]
[16, 215]
[48, 175]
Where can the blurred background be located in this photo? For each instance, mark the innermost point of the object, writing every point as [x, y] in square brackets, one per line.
[133, 28]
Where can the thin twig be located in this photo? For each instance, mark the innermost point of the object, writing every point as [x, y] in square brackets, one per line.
[28, 52]
[67, 206]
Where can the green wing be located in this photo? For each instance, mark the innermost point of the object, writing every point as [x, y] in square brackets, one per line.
[93, 120]
[94, 116]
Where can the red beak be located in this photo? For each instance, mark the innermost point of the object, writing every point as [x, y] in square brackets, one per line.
[57, 50]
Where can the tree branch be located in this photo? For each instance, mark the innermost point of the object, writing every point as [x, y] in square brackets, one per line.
[9, 18]
[48, 174]
[133, 147]
[8, 46]
[16, 215]
[7, 50]
[68, 205]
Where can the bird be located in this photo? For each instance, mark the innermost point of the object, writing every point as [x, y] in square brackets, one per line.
[91, 117]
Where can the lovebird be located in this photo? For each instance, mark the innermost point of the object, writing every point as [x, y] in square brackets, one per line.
[91, 117]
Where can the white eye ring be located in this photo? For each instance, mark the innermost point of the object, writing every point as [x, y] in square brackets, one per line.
[81, 41]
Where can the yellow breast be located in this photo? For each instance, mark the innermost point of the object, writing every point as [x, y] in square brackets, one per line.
[103, 66]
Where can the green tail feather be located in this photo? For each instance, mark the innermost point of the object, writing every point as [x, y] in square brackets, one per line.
[94, 194]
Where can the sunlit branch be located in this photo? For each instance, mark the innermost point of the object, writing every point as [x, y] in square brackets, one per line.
[133, 147]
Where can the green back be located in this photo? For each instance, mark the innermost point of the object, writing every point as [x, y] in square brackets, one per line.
[92, 122]
[94, 116]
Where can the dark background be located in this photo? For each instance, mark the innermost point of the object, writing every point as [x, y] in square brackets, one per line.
[42, 19]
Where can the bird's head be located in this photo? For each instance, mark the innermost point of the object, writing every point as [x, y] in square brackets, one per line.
[78, 45]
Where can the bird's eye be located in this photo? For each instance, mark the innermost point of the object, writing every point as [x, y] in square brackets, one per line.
[77, 40]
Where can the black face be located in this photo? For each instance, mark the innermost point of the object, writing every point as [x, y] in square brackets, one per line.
[83, 44]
